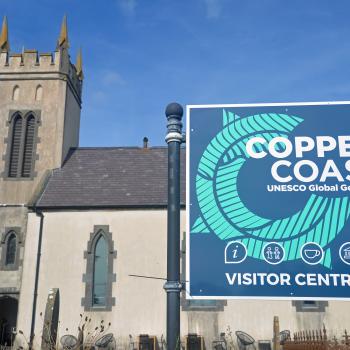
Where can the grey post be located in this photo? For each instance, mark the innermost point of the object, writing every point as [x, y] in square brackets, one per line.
[173, 285]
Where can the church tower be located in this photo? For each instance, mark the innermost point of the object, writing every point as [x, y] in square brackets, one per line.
[40, 103]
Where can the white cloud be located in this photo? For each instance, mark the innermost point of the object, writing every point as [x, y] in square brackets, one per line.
[98, 96]
[213, 8]
[127, 6]
[112, 78]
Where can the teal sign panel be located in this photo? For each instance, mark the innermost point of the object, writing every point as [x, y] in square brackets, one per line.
[268, 201]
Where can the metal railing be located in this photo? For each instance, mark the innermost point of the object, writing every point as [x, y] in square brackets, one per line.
[317, 340]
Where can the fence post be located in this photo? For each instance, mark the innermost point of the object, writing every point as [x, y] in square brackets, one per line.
[276, 333]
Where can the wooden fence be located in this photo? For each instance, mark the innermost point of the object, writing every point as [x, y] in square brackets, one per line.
[317, 340]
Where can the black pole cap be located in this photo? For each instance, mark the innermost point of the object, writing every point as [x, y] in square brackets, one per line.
[145, 142]
[174, 109]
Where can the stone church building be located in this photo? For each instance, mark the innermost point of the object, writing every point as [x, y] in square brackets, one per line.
[77, 224]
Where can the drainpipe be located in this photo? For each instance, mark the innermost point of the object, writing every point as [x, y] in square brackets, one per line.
[35, 295]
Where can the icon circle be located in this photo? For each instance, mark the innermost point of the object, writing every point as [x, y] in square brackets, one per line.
[344, 253]
[273, 253]
[311, 253]
[235, 252]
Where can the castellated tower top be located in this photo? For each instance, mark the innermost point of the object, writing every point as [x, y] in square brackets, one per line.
[32, 64]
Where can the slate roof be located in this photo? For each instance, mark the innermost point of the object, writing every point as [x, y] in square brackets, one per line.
[111, 177]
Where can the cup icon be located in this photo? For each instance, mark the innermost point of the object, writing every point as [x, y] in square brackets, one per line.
[312, 253]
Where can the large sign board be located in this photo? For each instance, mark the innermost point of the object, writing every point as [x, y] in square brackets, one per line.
[268, 201]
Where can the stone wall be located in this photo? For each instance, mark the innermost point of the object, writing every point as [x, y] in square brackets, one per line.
[58, 110]
[12, 218]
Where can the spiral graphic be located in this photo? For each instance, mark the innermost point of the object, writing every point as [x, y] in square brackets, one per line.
[224, 213]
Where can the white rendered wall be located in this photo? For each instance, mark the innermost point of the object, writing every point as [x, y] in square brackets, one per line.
[140, 240]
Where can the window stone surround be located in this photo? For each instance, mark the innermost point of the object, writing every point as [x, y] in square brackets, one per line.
[8, 141]
[9, 292]
[3, 244]
[319, 306]
[87, 301]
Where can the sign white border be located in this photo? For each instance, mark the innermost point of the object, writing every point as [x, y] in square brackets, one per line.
[188, 204]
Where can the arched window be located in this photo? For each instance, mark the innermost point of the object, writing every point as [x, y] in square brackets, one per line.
[11, 249]
[15, 146]
[28, 147]
[22, 145]
[15, 93]
[38, 93]
[10, 243]
[100, 276]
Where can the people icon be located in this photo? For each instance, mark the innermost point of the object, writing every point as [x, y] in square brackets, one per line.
[273, 253]
[269, 253]
[277, 253]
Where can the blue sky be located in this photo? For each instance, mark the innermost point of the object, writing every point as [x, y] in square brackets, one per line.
[139, 55]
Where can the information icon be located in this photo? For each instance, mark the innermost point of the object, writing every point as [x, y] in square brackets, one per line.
[344, 253]
[273, 253]
[311, 253]
[235, 252]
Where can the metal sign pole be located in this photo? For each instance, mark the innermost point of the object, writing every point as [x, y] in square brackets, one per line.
[173, 285]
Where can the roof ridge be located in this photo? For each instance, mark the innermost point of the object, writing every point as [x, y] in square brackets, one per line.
[116, 147]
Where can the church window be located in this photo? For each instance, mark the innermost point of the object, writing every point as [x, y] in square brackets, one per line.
[38, 93]
[100, 272]
[15, 145]
[15, 93]
[11, 249]
[22, 145]
[28, 146]
[99, 277]
[310, 305]
[10, 243]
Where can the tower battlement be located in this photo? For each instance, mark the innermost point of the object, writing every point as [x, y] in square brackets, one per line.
[31, 62]
[55, 64]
